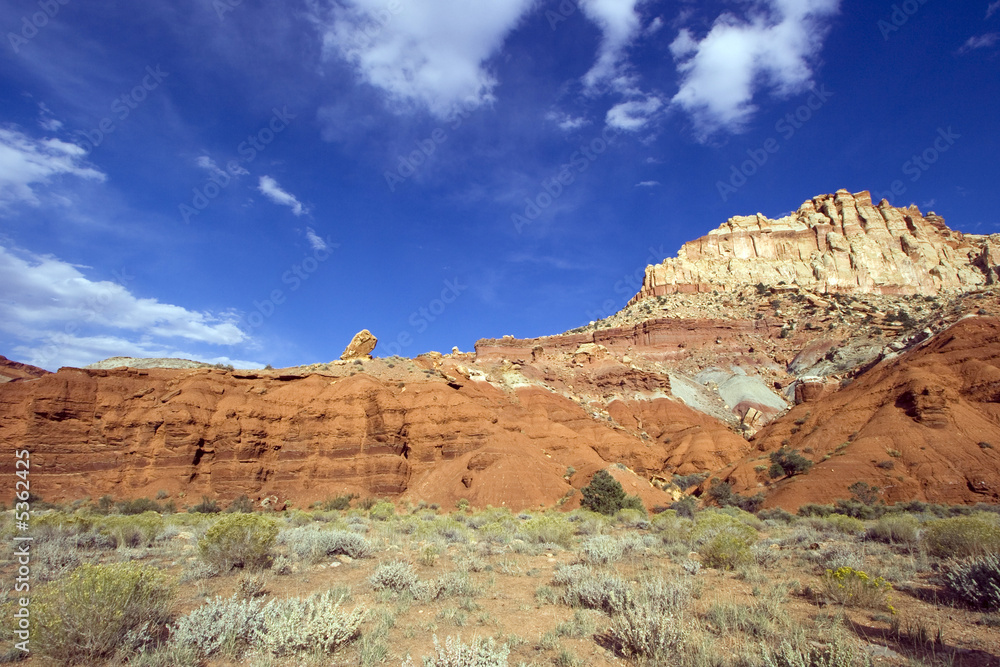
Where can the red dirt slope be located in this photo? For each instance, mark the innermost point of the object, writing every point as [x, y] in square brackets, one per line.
[925, 425]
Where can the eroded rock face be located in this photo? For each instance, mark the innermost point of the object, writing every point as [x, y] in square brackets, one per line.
[14, 370]
[833, 243]
[133, 432]
[925, 426]
[360, 347]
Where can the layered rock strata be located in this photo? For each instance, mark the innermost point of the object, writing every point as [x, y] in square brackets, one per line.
[832, 243]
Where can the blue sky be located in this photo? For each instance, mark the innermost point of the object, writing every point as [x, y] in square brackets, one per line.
[251, 182]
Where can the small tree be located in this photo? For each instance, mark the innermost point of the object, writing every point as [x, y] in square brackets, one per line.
[864, 492]
[605, 495]
[788, 462]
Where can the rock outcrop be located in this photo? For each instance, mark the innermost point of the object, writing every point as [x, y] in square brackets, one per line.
[15, 370]
[360, 347]
[307, 436]
[924, 426]
[833, 243]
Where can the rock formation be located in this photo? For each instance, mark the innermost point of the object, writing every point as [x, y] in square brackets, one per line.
[360, 347]
[924, 425]
[833, 243]
[14, 370]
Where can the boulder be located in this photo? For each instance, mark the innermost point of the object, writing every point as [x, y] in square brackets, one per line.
[360, 347]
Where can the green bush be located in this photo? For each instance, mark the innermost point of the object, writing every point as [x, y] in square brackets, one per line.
[602, 550]
[383, 510]
[644, 631]
[553, 529]
[132, 531]
[723, 541]
[241, 504]
[788, 463]
[854, 588]
[206, 506]
[98, 610]
[962, 537]
[239, 540]
[605, 495]
[976, 581]
[894, 529]
[844, 524]
[137, 506]
[337, 503]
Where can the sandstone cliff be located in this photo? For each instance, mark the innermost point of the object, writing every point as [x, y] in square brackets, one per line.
[833, 243]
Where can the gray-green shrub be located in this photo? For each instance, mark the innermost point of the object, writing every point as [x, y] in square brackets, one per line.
[976, 581]
[454, 653]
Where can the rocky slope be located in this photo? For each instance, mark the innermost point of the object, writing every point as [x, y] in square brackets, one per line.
[15, 370]
[432, 430]
[832, 243]
[924, 425]
[837, 331]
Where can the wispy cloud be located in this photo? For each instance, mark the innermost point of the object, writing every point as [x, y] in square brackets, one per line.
[422, 53]
[27, 163]
[270, 189]
[992, 9]
[635, 114]
[648, 184]
[619, 24]
[209, 165]
[771, 49]
[62, 317]
[980, 42]
[566, 122]
[316, 242]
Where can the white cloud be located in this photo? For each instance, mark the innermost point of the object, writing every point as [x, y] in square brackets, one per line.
[619, 24]
[566, 122]
[316, 242]
[648, 184]
[772, 48]
[64, 318]
[980, 42]
[633, 115]
[26, 163]
[654, 26]
[992, 9]
[270, 189]
[209, 165]
[426, 53]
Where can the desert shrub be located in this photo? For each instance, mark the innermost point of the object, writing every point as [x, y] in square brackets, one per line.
[605, 495]
[456, 654]
[314, 624]
[221, 626]
[854, 588]
[723, 541]
[281, 566]
[894, 529]
[632, 517]
[312, 544]
[788, 463]
[398, 576]
[864, 492]
[976, 581]
[602, 549]
[775, 514]
[241, 504]
[54, 558]
[606, 593]
[843, 524]
[643, 631]
[239, 540]
[684, 482]
[97, 610]
[552, 529]
[452, 584]
[962, 536]
[796, 652]
[383, 510]
[722, 493]
[337, 503]
[837, 556]
[206, 506]
[137, 506]
[858, 509]
[133, 531]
